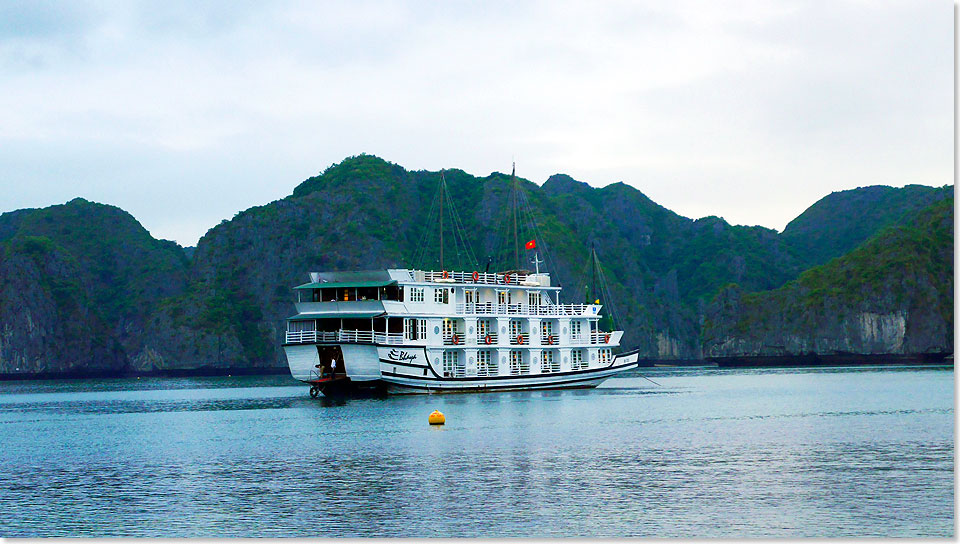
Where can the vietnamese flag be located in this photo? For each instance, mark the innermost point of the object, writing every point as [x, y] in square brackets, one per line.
[531, 244]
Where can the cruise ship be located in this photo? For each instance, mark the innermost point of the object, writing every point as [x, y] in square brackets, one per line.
[427, 331]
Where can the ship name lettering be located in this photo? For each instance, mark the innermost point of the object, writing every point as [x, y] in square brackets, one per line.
[397, 355]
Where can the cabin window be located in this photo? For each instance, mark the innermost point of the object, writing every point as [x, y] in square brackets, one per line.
[486, 364]
[410, 329]
[575, 331]
[549, 362]
[300, 326]
[604, 355]
[416, 294]
[441, 295]
[516, 328]
[518, 363]
[576, 359]
[469, 296]
[452, 367]
[533, 299]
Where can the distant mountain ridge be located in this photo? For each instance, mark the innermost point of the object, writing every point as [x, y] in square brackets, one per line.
[83, 285]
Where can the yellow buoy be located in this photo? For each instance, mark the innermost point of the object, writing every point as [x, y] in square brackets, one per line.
[436, 418]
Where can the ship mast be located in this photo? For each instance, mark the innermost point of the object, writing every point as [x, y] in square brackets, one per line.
[443, 190]
[516, 238]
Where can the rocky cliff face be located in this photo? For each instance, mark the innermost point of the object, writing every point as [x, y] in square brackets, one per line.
[892, 295]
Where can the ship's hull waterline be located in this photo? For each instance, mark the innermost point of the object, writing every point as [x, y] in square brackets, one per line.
[407, 370]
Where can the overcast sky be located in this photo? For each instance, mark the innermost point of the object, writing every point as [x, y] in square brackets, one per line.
[185, 113]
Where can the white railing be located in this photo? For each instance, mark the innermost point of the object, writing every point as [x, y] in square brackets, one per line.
[520, 339]
[453, 338]
[482, 338]
[469, 277]
[492, 308]
[549, 339]
[299, 337]
[600, 337]
[346, 336]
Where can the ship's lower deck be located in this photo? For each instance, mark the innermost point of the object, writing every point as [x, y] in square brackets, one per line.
[419, 369]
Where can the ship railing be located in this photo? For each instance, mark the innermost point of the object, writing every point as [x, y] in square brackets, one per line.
[600, 337]
[549, 339]
[392, 338]
[520, 339]
[347, 336]
[489, 278]
[299, 337]
[482, 338]
[492, 308]
[453, 338]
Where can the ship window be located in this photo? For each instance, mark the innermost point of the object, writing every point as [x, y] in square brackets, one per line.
[516, 328]
[452, 367]
[518, 363]
[533, 298]
[549, 362]
[441, 295]
[486, 363]
[575, 330]
[300, 326]
[605, 354]
[576, 359]
[416, 294]
[410, 329]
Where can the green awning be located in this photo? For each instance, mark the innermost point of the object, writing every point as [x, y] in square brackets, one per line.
[346, 284]
[331, 315]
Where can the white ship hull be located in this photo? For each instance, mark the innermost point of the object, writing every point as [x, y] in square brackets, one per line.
[407, 369]
[414, 331]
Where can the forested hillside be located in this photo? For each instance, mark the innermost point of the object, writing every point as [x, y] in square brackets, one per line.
[83, 285]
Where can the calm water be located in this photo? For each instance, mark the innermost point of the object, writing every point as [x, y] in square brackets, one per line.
[830, 452]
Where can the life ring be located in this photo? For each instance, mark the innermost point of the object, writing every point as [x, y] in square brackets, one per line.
[550, 339]
[520, 339]
[506, 278]
[476, 277]
[606, 338]
[456, 339]
[488, 339]
[446, 274]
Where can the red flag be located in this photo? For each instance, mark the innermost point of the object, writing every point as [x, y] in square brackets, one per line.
[531, 244]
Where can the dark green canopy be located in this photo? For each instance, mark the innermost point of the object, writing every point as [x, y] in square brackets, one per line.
[346, 284]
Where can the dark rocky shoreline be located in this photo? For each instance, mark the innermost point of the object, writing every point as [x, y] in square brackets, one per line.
[131, 373]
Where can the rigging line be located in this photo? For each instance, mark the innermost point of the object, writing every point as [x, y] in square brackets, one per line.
[608, 299]
[420, 250]
[502, 232]
[458, 225]
[649, 380]
[582, 276]
[459, 230]
[538, 235]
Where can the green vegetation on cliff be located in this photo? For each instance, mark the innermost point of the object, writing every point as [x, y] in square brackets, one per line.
[147, 303]
[892, 294]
